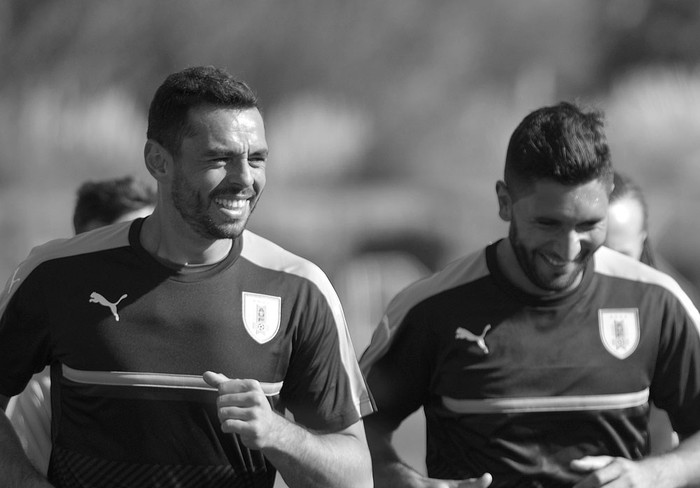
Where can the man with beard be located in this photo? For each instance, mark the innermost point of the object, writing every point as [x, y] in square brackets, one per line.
[143, 323]
[536, 358]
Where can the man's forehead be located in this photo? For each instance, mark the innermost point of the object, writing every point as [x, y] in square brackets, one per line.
[236, 119]
[227, 126]
[548, 197]
[550, 187]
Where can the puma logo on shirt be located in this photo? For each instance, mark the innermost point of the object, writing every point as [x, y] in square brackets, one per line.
[480, 341]
[97, 298]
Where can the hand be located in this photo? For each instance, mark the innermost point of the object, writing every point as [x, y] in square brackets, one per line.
[482, 482]
[613, 472]
[244, 409]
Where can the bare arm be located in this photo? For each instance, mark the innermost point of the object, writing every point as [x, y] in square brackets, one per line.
[390, 471]
[15, 467]
[677, 468]
[304, 459]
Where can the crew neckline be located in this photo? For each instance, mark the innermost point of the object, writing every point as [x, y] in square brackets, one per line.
[180, 271]
[504, 283]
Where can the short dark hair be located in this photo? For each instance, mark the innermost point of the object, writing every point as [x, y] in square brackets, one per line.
[107, 200]
[187, 89]
[562, 143]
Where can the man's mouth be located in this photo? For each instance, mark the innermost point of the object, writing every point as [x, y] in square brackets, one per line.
[233, 207]
[556, 262]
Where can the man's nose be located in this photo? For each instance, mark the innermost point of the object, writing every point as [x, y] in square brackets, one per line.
[239, 172]
[570, 244]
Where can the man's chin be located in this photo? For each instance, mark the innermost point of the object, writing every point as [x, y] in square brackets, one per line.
[229, 232]
[223, 231]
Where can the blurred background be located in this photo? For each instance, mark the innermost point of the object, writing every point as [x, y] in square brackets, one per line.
[387, 121]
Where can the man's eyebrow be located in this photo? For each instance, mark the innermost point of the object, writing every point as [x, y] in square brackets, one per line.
[221, 152]
[226, 152]
[592, 221]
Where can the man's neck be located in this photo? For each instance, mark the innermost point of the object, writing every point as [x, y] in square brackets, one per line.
[185, 248]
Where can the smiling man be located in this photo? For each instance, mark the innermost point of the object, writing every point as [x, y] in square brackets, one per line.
[536, 358]
[179, 342]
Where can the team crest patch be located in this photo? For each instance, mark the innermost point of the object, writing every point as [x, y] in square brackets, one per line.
[261, 316]
[619, 330]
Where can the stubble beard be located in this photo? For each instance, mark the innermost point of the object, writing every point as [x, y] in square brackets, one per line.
[527, 261]
[193, 207]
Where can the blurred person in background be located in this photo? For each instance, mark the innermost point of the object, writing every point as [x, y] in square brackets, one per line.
[98, 203]
[628, 220]
[143, 324]
[536, 358]
[628, 233]
[106, 202]
[628, 230]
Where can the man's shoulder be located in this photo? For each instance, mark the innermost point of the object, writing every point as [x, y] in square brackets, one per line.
[468, 268]
[266, 254]
[102, 239]
[612, 264]
[617, 265]
[462, 271]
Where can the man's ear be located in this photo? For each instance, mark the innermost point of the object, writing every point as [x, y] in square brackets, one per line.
[159, 162]
[505, 202]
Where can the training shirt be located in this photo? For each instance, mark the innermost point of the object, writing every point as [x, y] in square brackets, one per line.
[518, 386]
[128, 340]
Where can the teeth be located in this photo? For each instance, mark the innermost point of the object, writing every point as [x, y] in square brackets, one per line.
[231, 204]
[553, 261]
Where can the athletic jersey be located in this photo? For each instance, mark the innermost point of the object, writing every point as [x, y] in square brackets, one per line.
[128, 340]
[518, 386]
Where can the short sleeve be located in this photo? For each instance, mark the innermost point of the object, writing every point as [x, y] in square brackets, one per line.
[24, 335]
[676, 382]
[324, 388]
[399, 379]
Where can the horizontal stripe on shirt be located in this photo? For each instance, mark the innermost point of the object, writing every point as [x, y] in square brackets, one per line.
[547, 404]
[153, 380]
